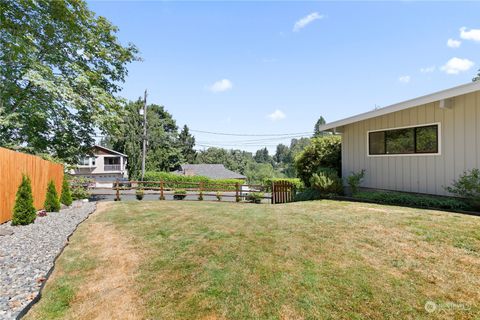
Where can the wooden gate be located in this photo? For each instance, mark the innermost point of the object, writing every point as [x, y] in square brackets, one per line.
[283, 192]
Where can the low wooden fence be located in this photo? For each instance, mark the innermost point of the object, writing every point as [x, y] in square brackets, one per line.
[12, 165]
[282, 191]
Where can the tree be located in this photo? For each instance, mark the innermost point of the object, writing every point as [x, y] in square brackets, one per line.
[477, 77]
[187, 142]
[324, 152]
[262, 156]
[24, 212]
[282, 154]
[66, 196]
[60, 69]
[258, 172]
[52, 203]
[320, 122]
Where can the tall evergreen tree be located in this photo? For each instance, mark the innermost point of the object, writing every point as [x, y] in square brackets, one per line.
[321, 121]
[187, 142]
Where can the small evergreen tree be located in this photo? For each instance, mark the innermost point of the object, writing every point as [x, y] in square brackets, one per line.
[24, 212]
[66, 197]
[52, 204]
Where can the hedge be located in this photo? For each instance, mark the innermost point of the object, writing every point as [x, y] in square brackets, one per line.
[267, 183]
[175, 181]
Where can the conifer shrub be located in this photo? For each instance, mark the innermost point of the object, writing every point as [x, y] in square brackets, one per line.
[52, 203]
[66, 197]
[24, 212]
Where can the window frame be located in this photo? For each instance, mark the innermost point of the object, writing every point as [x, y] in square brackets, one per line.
[439, 142]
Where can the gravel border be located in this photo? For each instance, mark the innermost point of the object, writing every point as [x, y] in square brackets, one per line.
[28, 255]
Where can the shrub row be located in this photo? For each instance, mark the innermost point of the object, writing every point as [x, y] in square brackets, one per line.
[174, 181]
[267, 183]
[413, 200]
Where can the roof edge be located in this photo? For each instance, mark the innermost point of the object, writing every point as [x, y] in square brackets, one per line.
[429, 98]
[105, 148]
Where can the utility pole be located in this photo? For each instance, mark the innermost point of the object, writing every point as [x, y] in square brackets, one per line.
[144, 133]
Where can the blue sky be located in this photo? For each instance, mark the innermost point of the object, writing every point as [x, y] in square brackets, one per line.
[275, 67]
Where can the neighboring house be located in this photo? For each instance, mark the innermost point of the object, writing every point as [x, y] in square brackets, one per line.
[104, 166]
[420, 145]
[212, 171]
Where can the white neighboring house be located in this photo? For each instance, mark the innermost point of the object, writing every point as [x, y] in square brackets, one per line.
[104, 166]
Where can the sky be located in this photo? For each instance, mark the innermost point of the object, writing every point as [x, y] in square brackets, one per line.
[274, 67]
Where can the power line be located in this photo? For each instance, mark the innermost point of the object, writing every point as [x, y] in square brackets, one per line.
[253, 134]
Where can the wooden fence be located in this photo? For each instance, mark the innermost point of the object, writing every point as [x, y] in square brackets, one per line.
[283, 192]
[12, 165]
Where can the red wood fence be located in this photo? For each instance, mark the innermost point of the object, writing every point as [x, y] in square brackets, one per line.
[12, 165]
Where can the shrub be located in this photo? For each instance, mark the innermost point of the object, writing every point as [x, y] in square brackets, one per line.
[175, 181]
[66, 197]
[308, 195]
[413, 200]
[323, 152]
[468, 186]
[219, 196]
[267, 183]
[354, 180]
[24, 212]
[200, 196]
[79, 187]
[139, 194]
[255, 197]
[326, 181]
[179, 194]
[52, 203]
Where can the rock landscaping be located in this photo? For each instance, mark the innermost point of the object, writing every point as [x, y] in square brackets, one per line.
[27, 255]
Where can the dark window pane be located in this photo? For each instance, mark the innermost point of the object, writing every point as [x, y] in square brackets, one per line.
[376, 142]
[427, 139]
[400, 141]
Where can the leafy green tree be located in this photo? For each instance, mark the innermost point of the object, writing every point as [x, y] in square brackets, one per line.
[52, 203]
[262, 156]
[282, 154]
[324, 152]
[320, 122]
[187, 142]
[66, 196]
[24, 212]
[258, 172]
[61, 67]
[235, 160]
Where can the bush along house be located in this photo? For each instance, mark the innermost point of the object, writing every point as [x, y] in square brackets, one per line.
[420, 145]
[104, 166]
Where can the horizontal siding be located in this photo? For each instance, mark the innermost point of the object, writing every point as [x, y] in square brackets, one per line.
[459, 142]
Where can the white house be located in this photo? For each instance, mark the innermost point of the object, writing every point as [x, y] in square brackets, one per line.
[419, 145]
[104, 166]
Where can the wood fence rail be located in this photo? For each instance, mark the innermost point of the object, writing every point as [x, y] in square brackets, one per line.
[12, 165]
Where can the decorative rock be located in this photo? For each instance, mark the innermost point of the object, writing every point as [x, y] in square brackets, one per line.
[28, 253]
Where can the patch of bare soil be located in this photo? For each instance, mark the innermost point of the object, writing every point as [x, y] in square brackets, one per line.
[108, 292]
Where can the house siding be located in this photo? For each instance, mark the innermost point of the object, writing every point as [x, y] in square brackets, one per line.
[459, 142]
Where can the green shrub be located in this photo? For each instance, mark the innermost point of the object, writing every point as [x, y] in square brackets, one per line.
[24, 212]
[219, 196]
[323, 152]
[326, 181]
[139, 194]
[267, 183]
[413, 200]
[354, 180]
[66, 197]
[52, 203]
[179, 194]
[175, 181]
[200, 196]
[255, 197]
[79, 187]
[468, 186]
[308, 195]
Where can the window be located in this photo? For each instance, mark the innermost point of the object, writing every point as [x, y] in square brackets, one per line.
[414, 140]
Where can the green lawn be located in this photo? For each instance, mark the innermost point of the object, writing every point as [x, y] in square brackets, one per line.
[308, 260]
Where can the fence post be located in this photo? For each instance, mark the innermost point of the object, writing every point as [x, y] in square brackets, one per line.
[117, 193]
[162, 197]
[273, 192]
[237, 197]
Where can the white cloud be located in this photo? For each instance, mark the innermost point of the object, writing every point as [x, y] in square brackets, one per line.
[404, 79]
[303, 22]
[427, 69]
[277, 115]
[221, 86]
[457, 65]
[452, 43]
[472, 34]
